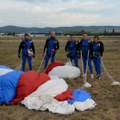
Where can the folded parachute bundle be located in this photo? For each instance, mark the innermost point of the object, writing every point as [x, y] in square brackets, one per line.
[65, 71]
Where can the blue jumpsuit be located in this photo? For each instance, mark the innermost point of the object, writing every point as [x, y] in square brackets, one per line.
[25, 45]
[25, 56]
[51, 44]
[85, 56]
[72, 48]
[97, 58]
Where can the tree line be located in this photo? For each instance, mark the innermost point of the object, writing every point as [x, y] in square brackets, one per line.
[105, 33]
[79, 33]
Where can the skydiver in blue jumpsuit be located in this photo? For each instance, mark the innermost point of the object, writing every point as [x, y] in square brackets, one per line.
[97, 49]
[51, 46]
[85, 45]
[28, 51]
[72, 47]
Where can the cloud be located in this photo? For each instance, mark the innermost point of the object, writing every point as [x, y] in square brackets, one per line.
[44, 13]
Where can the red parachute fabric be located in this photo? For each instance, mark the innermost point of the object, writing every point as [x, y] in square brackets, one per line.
[67, 95]
[28, 83]
[52, 65]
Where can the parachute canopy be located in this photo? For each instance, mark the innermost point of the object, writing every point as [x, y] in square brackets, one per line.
[40, 91]
[8, 83]
[52, 65]
[28, 83]
[66, 71]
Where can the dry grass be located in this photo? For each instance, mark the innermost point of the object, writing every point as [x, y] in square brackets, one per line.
[106, 96]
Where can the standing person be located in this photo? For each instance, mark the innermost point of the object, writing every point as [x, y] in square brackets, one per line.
[98, 50]
[72, 47]
[28, 51]
[51, 46]
[85, 45]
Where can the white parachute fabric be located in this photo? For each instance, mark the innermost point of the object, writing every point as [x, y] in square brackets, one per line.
[42, 99]
[82, 100]
[52, 88]
[48, 103]
[66, 71]
[4, 71]
[82, 106]
[53, 77]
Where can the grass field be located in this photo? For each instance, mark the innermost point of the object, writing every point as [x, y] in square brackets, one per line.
[106, 96]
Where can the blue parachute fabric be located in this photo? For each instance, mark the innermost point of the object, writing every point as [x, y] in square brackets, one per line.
[79, 96]
[8, 85]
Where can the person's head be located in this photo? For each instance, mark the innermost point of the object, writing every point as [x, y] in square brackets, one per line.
[52, 34]
[72, 38]
[26, 36]
[85, 36]
[96, 38]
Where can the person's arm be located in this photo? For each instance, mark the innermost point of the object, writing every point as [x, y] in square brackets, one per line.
[101, 49]
[78, 49]
[57, 45]
[90, 49]
[66, 47]
[77, 45]
[45, 45]
[33, 48]
[80, 45]
[19, 50]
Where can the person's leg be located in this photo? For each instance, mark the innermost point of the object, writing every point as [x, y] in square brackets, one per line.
[30, 62]
[53, 58]
[46, 60]
[71, 59]
[90, 66]
[99, 66]
[23, 62]
[84, 64]
[95, 64]
[76, 61]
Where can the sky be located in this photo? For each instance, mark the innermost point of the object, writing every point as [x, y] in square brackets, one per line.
[58, 13]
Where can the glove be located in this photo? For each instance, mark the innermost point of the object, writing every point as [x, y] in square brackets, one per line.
[68, 55]
[33, 56]
[19, 56]
[91, 56]
[78, 54]
[52, 50]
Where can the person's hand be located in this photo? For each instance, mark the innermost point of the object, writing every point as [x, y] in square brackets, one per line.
[91, 56]
[68, 55]
[33, 55]
[52, 50]
[19, 56]
[78, 54]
